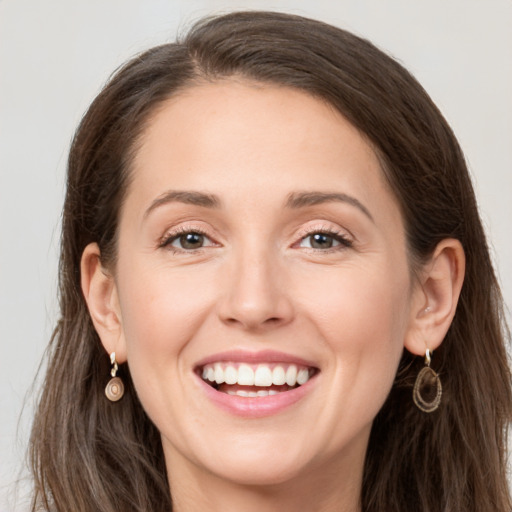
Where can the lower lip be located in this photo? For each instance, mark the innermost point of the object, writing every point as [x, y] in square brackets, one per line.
[256, 407]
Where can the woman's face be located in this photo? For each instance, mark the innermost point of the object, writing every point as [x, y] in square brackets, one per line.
[263, 284]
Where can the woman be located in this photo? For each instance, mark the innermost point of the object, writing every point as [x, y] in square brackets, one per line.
[272, 263]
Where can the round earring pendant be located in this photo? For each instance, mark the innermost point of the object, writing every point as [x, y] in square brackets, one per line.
[427, 390]
[114, 390]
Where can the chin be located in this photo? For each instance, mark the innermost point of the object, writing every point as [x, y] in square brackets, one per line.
[261, 473]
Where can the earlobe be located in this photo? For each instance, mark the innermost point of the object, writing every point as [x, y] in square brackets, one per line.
[436, 297]
[100, 293]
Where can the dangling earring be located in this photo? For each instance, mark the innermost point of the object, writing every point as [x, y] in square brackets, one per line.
[115, 387]
[427, 388]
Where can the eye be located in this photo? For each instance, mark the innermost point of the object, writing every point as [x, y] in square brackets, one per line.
[324, 240]
[187, 241]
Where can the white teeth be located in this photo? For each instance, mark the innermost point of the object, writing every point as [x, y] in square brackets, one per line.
[278, 376]
[219, 373]
[231, 375]
[291, 375]
[302, 376]
[262, 375]
[252, 394]
[245, 375]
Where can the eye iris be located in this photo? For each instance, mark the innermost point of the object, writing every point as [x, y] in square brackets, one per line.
[191, 240]
[321, 241]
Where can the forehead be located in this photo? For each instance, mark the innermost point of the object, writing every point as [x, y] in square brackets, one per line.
[244, 138]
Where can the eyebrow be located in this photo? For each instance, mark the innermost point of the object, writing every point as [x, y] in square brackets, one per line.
[295, 200]
[184, 196]
[303, 199]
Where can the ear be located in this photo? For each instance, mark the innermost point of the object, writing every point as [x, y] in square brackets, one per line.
[435, 297]
[100, 292]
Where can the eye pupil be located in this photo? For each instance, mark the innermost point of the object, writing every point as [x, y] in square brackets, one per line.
[191, 240]
[321, 241]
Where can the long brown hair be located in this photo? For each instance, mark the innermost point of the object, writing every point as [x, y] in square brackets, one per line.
[88, 454]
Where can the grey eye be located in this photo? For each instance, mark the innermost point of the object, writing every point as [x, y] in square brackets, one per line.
[319, 241]
[189, 241]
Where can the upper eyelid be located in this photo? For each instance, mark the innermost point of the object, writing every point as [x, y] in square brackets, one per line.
[318, 226]
[340, 237]
[188, 226]
[174, 233]
[344, 236]
[325, 227]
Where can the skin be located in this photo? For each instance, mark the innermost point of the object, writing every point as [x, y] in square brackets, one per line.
[257, 284]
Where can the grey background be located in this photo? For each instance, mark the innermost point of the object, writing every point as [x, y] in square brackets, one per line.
[54, 57]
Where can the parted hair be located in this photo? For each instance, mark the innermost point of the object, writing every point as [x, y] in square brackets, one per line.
[88, 454]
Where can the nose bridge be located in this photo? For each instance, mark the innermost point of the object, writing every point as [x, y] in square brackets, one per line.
[255, 294]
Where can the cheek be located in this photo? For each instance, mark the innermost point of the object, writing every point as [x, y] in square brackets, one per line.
[359, 314]
[362, 317]
[161, 310]
[365, 302]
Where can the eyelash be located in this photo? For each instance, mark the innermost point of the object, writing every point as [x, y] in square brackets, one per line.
[169, 238]
[338, 236]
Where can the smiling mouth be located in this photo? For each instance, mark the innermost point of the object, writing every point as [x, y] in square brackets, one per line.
[255, 380]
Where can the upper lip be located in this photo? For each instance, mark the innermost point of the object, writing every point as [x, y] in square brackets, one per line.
[262, 356]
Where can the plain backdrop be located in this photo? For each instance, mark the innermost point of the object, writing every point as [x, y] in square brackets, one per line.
[56, 54]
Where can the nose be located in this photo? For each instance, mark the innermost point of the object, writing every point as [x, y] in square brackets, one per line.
[255, 296]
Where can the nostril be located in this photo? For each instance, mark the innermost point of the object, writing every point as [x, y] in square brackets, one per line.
[255, 323]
